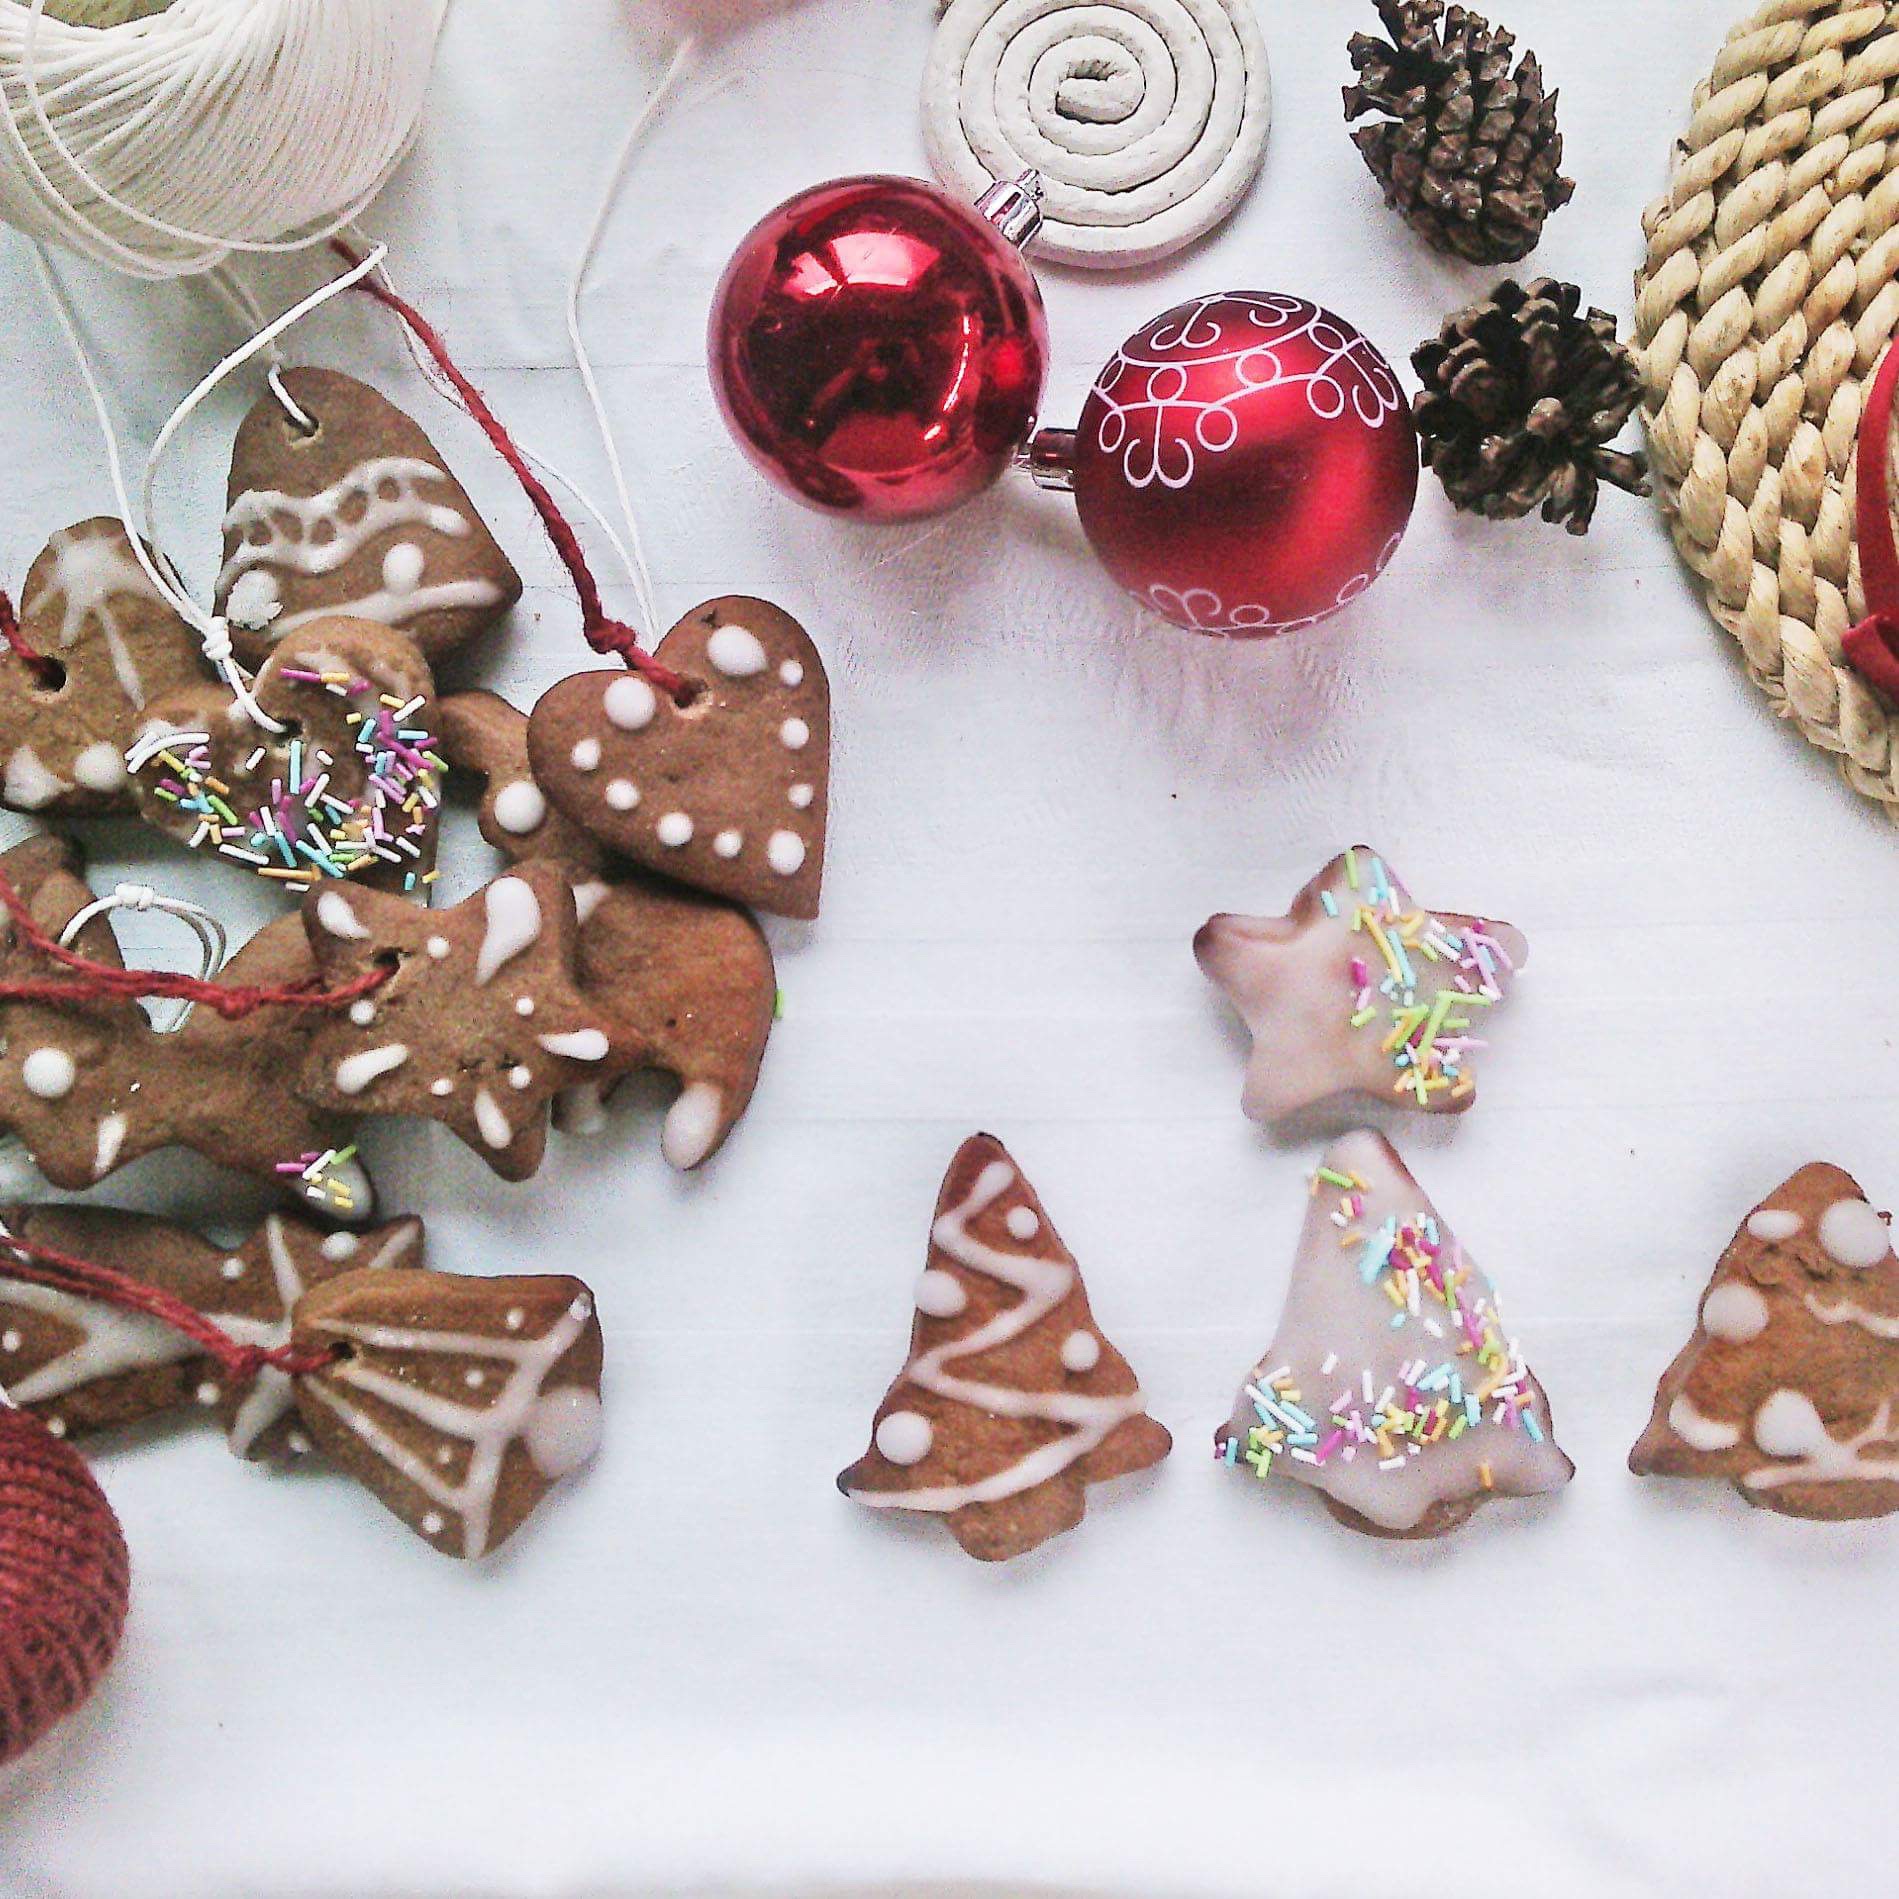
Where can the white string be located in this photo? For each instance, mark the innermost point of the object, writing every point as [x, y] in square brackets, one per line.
[216, 126]
[213, 944]
[237, 297]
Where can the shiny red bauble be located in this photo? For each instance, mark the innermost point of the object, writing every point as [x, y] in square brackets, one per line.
[878, 348]
[1246, 464]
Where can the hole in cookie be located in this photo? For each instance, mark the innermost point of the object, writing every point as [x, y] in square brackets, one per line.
[47, 676]
[301, 434]
[688, 693]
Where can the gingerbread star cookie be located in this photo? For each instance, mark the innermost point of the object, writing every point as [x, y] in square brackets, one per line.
[480, 1023]
[1358, 991]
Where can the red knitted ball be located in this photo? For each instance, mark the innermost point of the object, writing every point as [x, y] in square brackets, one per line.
[64, 1581]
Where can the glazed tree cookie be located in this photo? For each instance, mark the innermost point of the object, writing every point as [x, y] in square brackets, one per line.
[358, 516]
[1357, 991]
[1788, 1386]
[1013, 1401]
[110, 645]
[1392, 1386]
[725, 787]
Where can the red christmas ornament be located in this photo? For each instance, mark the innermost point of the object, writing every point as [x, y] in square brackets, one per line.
[878, 348]
[1245, 464]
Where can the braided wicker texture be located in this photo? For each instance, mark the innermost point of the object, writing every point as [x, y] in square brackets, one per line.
[1764, 302]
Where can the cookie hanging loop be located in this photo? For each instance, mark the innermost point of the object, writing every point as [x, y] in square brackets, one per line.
[213, 944]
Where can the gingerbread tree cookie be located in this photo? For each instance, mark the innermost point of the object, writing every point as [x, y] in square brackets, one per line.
[1013, 1401]
[1358, 991]
[1788, 1387]
[1392, 1386]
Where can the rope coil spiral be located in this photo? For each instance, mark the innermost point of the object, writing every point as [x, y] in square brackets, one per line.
[1147, 119]
[1763, 305]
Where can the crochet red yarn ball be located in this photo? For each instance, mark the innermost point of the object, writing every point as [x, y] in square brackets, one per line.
[65, 1581]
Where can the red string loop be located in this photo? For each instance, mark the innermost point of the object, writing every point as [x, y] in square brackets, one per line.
[46, 671]
[1872, 647]
[613, 638]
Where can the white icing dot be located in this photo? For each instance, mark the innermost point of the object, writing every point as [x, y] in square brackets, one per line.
[519, 808]
[356, 1072]
[728, 843]
[785, 853]
[339, 1246]
[1022, 1223]
[940, 1294]
[49, 1073]
[693, 1123]
[253, 601]
[1774, 1224]
[100, 767]
[474, 1379]
[1787, 1425]
[563, 1430]
[622, 794]
[206, 1394]
[441, 1087]
[1734, 1311]
[10, 1340]
[588, 898]
[630, 703]
[586, 754]
[800, 796]
[516, 1318]
[432, 1523]
[578, 1045]
[57, 1426]
[494, 1127]
[520, 1076]
[362, 1012]
[794, 735]
[524, 1005]
[737, 652]
[297, 1444]
[1852, 1234]
[905, 1437]
[791, 673]
[334, 913]
[437, 946]
[673, 830]
[445, 1455]
[232, 1269]
[402, 568]
[1081, 1352]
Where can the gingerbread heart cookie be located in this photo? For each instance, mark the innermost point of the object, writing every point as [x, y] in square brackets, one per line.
[725, 785]
[357, 515]
[110, 644]
[351, 787]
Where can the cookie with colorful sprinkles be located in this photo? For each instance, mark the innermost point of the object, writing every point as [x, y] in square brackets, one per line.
[1358, 991]
[1393, 1386]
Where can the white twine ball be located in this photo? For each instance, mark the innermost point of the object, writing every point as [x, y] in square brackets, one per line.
[163, 144]
[1146, 118]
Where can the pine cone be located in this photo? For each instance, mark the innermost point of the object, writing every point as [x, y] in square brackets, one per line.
[1520, 396]
[1468, 154]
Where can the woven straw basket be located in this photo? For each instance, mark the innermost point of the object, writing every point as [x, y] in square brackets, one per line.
[1763, 304]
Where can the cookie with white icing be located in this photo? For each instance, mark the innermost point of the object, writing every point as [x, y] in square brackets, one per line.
[724, 786]
[1013, 1401]
[110, 644]
[457, 1402]
[480, 1023]
[1358, 992]
[358, 516]
[84, 1366]
[1789, 1385]
[350, 788]
[486, 737]
[1393, 1386]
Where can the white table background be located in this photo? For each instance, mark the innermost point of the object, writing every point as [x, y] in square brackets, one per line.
[699, 1670]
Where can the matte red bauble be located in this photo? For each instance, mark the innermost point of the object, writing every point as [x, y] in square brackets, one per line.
[878, 348]
[1246, 464]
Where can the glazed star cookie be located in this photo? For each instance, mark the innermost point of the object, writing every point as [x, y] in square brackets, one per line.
[1013, 1401]
[1358, 991]
[725, 788]
[457, 1402]
[356, 516]
[111, 644]
[480, 1023]
[85, 1366]
[1392, 1386]
[351, 787]
[1788, 1386]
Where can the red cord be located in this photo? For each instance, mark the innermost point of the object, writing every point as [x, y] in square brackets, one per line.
[43, 668]
[604, 635]
[1872, 647]
[101, 982]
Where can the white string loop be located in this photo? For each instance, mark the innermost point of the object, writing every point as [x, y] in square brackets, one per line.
[213, 944]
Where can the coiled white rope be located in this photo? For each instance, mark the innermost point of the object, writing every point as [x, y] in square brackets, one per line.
[165, 144]
[1147, 119]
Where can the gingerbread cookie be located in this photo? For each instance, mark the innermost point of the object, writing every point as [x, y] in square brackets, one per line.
[351, 787]
[485, 736]
[725, 787]
[480, 1023]
[1788, 1387]
[85, 1366]
[110, 644]
[358, 516]
[1392, 1386]
[1013, 1401]
[457, 1402]
[1357, 991]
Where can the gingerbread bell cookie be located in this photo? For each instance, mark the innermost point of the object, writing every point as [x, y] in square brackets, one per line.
[1013, 1401]
[106, 644]
[1787, 1388]
[723, 785]
[1357, 991]
[355, 514]
[1393, 1386]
